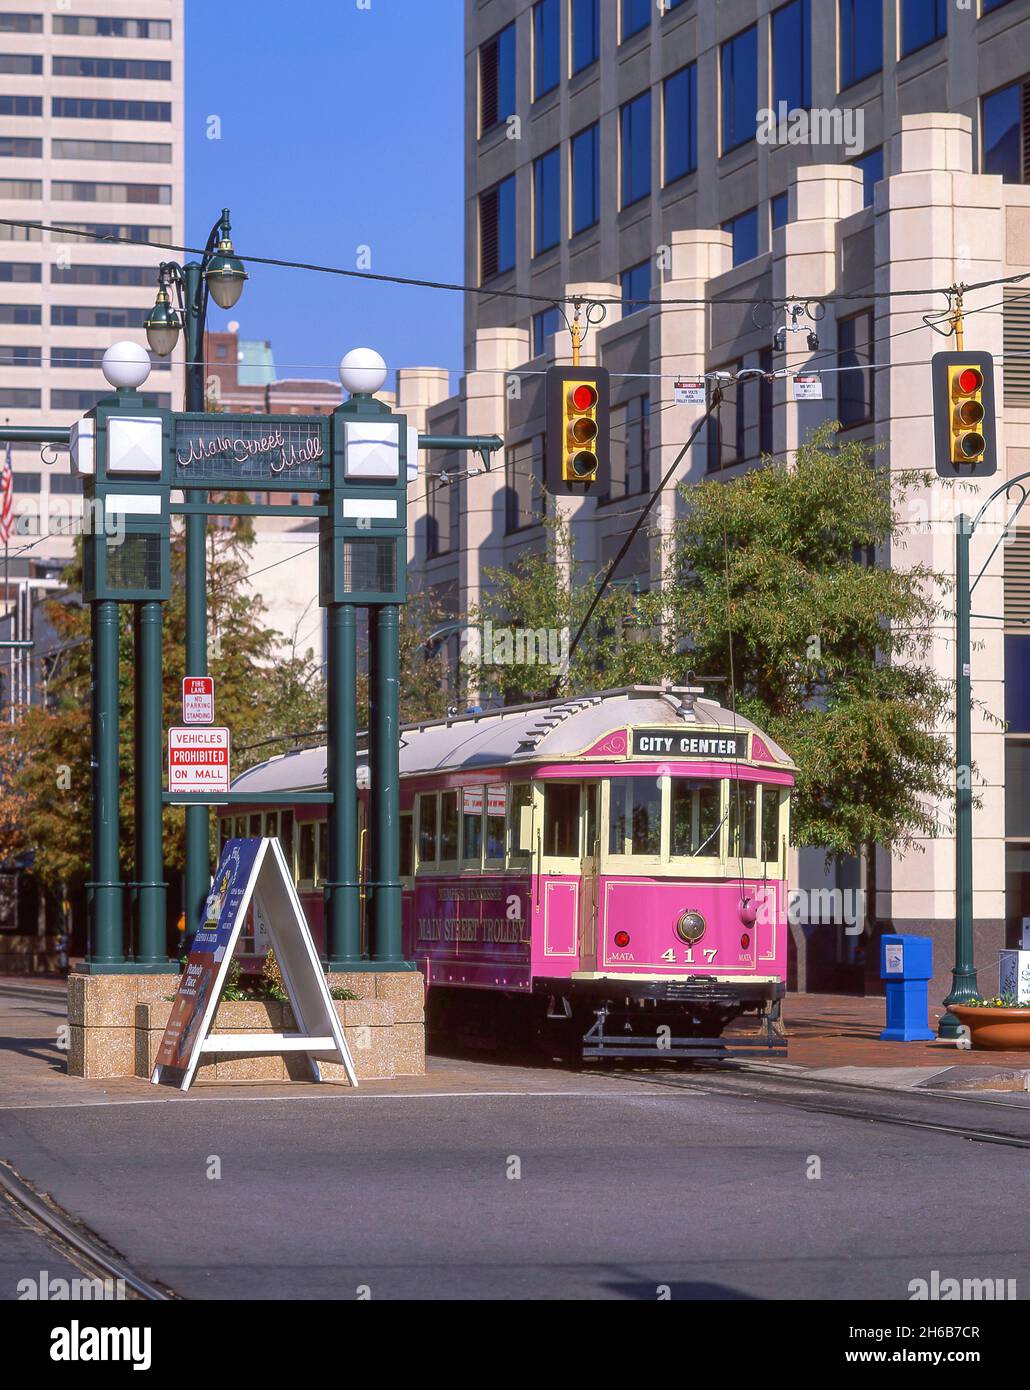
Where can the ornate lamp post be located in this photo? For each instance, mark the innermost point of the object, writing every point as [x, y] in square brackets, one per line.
[220, 273]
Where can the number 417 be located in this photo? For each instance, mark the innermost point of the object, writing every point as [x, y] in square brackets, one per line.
[709, 953]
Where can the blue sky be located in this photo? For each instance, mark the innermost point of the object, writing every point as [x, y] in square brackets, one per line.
[341, 127]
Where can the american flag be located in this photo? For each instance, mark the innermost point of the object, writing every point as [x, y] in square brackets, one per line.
[6, 498]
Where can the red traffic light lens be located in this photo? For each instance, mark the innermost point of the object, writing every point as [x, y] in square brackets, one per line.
[622, 938]
[970, 380]
[583, 397]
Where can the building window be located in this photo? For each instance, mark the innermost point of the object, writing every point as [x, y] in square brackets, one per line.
[496, 229]
[680, 102]
[586, 33]
[21, 64]
[861, 40]
[871, 165]
[636, 15]
[68, 190]
[86, 400]
[441, 514]
[779, 210]
[21, 106]
[523, 478]
[744, 231]
[922, 21]
[22, 397]
[97, 316]
[792, 56]
[989, 5]
[20, 356]
[546, 201]
[20, 313]
[1006, 141]
[636, 287]
[586, 178]
[25, 272]
[21, 24]
[20, 147]
[121, 275]
[113, 69]
[101, 109]
[738, 71]
[725, 435]
[108, 28]
[546, 47]
[21, 188]
[630, 449]
[856, 391]
[12, 233]
[635, 125]
[545, 325]
[119, 231]
[118, 151]
[497, 79]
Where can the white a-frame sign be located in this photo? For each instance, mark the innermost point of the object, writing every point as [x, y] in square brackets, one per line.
[251, 869]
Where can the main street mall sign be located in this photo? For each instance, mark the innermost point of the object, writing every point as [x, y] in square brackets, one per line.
[232, 451]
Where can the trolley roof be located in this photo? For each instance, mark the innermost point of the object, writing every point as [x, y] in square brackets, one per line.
[517, 734]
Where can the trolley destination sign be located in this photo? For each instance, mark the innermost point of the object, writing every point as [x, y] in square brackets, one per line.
[679, 743]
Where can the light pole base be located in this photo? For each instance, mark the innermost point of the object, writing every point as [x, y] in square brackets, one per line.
[949, 1029]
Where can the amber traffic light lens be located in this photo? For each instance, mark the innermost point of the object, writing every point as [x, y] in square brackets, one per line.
[583, 431]
[583, 464]
[970, 380]
[583, 397]
[971, 446]
[970, 413]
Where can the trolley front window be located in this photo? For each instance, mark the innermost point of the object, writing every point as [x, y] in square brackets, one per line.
[743, 819]
[696, 816]
[770, 824]
[635, 816]
[561, 819]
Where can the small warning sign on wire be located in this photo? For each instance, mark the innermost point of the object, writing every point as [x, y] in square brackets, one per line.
[689, 392]
[808, 387]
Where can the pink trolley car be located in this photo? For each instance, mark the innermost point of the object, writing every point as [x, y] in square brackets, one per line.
[609, 870]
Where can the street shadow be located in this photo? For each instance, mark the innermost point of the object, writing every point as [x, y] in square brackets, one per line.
[681, 1293]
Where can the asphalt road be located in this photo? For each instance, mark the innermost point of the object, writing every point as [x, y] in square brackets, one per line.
[621, 1188]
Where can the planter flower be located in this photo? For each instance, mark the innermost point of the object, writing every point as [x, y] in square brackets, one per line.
[996, 1025]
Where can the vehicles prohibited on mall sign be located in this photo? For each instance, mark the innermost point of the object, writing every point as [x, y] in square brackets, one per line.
[198, 760]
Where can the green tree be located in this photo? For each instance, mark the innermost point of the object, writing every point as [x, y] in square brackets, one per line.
[773, 583]
[263, 689]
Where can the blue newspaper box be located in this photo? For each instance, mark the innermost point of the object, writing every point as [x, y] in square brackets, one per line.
[906, 965]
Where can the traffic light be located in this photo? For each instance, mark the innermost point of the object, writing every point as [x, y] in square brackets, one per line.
[577, 447]
[963, 414]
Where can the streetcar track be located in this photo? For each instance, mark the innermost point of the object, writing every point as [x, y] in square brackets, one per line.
[718, 1086]
[75, 1241]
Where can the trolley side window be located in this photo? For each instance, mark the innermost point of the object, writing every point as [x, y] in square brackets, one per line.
[561, 819]
[448, 827]
[696, 816]
[472, 799]
[427, 828]
[407, 848]
[496, 814]
[770, 824]
[635, 816]
[286, 840]
[306, 852]
[743, 819]
[322, 859]
[520, 823]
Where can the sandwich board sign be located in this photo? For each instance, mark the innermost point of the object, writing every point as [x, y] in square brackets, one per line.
[250, 870]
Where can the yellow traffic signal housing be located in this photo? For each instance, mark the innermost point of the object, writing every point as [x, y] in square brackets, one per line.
[963, 414]
[577, 429]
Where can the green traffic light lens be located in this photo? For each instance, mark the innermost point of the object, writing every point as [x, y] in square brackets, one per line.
[584, 464]
[972, 445]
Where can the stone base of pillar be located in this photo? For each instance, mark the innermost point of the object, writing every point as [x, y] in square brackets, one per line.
[117, 1022]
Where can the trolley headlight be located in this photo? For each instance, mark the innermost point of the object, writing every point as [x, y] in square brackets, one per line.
[690, 927]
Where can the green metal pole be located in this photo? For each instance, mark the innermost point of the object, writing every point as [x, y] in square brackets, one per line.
[151, 947]
[385, 784]
[107, 947]
[198, 861]
[342, 901]
[964, 985]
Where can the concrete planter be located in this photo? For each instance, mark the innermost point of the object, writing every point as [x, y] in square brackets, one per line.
[995, 1030]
